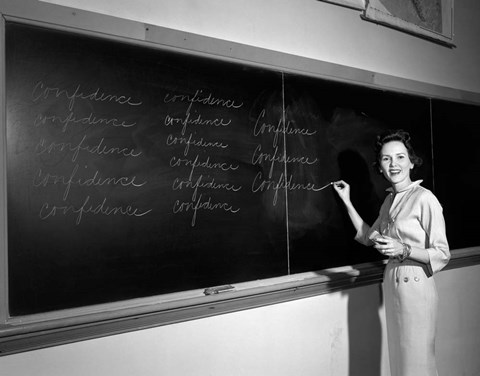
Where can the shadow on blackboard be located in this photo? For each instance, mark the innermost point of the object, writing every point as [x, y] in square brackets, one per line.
[356, 172]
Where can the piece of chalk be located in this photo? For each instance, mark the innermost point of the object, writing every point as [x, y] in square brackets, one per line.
[217, 289]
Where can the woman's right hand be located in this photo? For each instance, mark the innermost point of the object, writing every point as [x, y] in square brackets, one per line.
[343, 190]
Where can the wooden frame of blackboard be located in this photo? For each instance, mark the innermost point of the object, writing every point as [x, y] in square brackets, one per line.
[42, 330]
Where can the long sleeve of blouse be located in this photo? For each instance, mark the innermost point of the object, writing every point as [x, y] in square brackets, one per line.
[413, 216]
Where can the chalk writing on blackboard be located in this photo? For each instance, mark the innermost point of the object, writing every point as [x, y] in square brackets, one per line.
[43, 91]
[45, 147]
[200, 97]
[279, 130]
[72, 119]
[77, 171]
[103, 208]
[44, 179]
[200, 170]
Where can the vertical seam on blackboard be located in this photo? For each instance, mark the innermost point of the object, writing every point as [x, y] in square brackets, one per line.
[4, 308]
[285, 170]
[431, 145]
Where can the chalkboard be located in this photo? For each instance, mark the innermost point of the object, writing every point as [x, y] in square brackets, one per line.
[457, 171]
[134, 171]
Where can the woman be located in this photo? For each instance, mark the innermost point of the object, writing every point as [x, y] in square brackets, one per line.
[410, 230]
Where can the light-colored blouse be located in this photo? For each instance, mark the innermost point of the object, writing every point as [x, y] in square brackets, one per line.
[413, 216]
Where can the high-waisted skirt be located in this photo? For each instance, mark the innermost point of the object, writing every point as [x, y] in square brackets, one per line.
[411, 304]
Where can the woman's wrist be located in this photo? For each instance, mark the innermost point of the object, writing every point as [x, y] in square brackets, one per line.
[406, 252]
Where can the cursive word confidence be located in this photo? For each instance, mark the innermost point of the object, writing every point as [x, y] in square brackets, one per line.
[42, 91]
[259, 157]
[198, 204]
[42, 179]
[260, 184]
[72, 119]
[195, 163]
[47, 210]
[199, 97]
[190, 141]
[197, 121]
[179, 184]
[278, 129]
[44, 147]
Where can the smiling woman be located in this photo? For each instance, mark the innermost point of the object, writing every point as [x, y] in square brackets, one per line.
[396, 158]
[396, 165]
[410, 230]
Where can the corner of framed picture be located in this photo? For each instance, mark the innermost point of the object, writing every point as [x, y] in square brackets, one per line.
[354, 4]
[429, 19]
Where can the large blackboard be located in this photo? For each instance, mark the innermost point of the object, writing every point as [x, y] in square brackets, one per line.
[133, 172]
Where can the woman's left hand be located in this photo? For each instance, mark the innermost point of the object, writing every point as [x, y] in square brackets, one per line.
[388, 246]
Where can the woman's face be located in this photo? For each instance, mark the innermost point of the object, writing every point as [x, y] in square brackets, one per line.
[395, 164]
